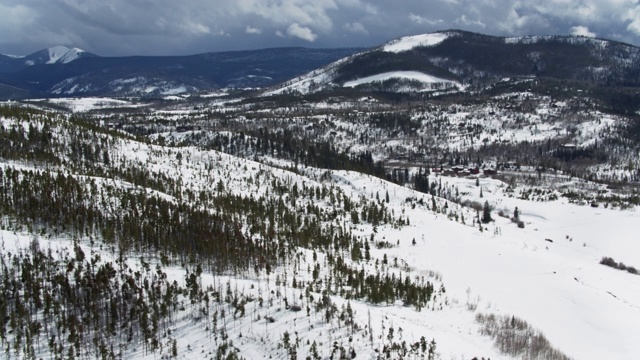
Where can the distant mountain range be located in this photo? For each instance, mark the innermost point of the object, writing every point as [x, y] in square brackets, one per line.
[71, 72]
[440, 61]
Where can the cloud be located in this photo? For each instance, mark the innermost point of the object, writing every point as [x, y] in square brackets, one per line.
[466, 22]
[356, 28]
[280, 12]
[633, 17]
[423, 20]
[301, 32]
[251, 30]
[582, 31]
[164, 27]
[196, 28]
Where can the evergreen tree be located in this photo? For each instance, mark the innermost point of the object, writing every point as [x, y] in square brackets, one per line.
[486, 213]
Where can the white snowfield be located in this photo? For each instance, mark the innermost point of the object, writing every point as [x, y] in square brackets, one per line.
[63, 55]
[410, 42]
[310, 81]
[585, 309]
[408, 75]
[90, 103]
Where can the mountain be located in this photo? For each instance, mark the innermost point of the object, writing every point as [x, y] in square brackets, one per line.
[437, 62]
[74, 73]
[53, 55]
[455, 59]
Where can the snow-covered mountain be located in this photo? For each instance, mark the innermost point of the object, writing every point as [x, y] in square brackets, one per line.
[452, 60]
[435, 63]
[55, 55]
[63, 55]
[52, 55]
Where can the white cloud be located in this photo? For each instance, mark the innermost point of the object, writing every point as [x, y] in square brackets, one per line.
[195, 28]
[302, 32]
[465, 21]
[633, 17]
[423, 20]
[582, 31]
[120, 27]
[252, 30]
[13, 18]
[356, 28]
[281, 12]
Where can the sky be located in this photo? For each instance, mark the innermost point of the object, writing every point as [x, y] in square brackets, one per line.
[181, 27]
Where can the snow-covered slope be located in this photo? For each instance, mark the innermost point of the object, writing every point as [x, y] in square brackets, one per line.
[410, 42]
[55, 55]
[63, 55]
[469, 58]
[13, 56]
[547, 273]
[402, 75]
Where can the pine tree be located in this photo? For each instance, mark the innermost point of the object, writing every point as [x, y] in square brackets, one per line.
[486, 213]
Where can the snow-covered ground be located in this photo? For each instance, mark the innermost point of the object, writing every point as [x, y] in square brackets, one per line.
[406, 75]
[83, 104]
[587, 310]
[409, 42]
[547, 273]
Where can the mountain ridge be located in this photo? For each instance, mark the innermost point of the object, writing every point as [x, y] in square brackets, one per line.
[472, 58]
[93, 75]
[459, 58]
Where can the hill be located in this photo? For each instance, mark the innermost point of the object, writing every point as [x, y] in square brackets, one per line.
[457, 60]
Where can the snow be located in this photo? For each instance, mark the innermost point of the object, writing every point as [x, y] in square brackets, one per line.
[534, 39]
[410, 42]
[174, 90]
[63, 55]
[408, 75]
[90, 103]
[214, 94]
[13, 56]
[585, 309]
[132, 80]
[313, 81]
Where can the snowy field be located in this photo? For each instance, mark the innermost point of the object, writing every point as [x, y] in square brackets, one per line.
[547, 273]
[406, 75]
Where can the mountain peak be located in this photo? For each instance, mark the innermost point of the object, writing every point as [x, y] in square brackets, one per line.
[63, 54]
[55, 55]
